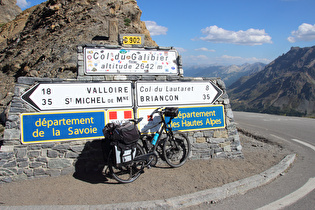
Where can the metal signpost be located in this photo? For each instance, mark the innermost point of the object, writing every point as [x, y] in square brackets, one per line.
[54, 96]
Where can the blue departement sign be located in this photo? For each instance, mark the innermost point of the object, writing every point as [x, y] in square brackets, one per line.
[189, 118]
[61, 126]
[199, 118]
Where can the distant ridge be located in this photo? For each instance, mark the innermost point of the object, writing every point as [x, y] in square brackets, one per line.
[229, 74]
[286, 86]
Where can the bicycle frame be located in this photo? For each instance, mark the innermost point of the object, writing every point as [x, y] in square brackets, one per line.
[164, 126]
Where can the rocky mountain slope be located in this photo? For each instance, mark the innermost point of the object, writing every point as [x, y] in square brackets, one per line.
[229, 74]
[42, 41]
[285, 86]
[10, 30]
[8, 10]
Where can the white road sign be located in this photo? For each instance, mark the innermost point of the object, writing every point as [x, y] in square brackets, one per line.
[59, 96]
[176, 93]
[130, 61]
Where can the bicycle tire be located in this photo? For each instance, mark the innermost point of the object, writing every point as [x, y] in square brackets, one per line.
[176, 150]
[126, 173]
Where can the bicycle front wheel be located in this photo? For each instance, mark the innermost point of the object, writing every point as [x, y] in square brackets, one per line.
[126, 172]
[176, 150]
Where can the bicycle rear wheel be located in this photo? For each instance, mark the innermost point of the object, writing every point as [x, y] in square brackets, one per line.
[126, 172]
[176, 150]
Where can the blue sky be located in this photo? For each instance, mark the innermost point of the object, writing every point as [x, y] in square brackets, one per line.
[225, 32]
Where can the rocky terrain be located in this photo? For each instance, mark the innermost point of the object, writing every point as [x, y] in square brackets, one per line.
[8, 10]
[285, 86]
[42, 41]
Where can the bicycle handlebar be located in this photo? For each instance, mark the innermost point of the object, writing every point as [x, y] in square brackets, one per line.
[136, 121]
[155, 111]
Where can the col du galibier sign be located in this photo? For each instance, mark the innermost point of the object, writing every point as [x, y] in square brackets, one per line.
[130, 61]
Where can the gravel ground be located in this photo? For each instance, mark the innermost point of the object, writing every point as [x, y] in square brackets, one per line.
[156, 183]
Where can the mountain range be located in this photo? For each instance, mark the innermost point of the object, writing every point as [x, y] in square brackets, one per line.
[285, 86]
[229, 74]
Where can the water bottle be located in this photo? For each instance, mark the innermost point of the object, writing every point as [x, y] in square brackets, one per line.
[155, 138]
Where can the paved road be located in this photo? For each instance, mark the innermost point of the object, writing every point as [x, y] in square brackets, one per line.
[296, 134]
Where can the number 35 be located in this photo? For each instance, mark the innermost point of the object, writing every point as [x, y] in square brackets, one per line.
[46, 101]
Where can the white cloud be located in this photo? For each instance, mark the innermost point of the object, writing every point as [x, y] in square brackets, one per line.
[248, 37]
[222, 60]
[155, 29]
[204, 49]
[305, 32]
[23, 3]
[180, 49]
[238, 59]
[198, 57]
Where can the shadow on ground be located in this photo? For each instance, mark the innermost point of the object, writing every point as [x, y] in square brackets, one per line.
[92, 161]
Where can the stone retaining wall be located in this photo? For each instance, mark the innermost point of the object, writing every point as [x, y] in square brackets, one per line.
[30, 161]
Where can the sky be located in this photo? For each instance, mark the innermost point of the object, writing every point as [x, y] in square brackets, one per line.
[226, 32]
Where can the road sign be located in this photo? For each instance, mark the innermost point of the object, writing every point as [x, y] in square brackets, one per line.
[130, 61]
[176, 93]
[62, 96]
[199, 118]
[189, 118]
[61, 126]
[132, 40]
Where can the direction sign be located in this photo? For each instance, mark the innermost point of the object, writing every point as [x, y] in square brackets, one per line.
[176, 93]
[61, 96]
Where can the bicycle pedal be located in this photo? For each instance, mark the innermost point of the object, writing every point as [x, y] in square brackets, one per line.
[149, 166]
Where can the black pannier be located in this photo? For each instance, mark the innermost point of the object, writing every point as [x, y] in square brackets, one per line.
[124, 139]
[171, 111]
[127, 133]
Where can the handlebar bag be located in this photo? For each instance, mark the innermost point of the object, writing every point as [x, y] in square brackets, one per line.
[171, 111]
